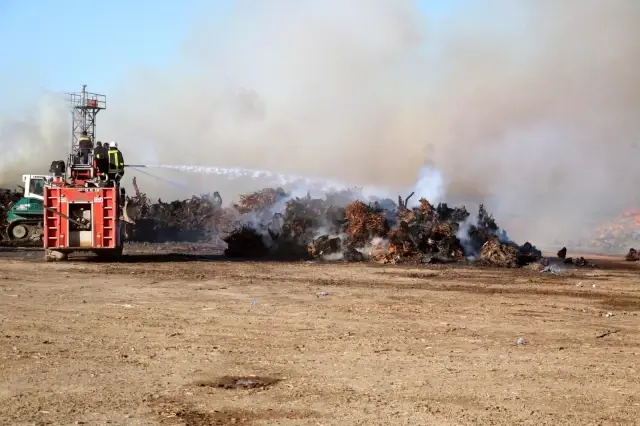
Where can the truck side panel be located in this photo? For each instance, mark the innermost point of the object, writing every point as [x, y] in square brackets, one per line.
[104, 217]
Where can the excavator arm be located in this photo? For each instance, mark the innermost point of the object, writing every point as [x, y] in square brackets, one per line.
[132, 207]
[130, 212]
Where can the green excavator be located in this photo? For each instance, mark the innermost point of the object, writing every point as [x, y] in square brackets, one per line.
[25, 216]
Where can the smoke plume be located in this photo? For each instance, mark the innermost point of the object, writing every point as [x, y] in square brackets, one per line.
[528, 106]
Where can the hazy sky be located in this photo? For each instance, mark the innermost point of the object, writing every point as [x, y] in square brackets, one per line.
[59, 45]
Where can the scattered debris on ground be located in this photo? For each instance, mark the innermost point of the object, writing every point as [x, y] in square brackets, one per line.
[562, 253]
[607, 333]
[550, 269]
[633, 255]
[581, 262]
[245, 382]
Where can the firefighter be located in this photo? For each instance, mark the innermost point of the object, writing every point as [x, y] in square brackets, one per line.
[100, 155]
[85, 141]
[116, 162]
[85, 146]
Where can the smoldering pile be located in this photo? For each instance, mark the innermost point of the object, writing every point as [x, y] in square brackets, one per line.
[337, 227]
[579, 261]
[270, 223]
[195, 219]
[633, 255]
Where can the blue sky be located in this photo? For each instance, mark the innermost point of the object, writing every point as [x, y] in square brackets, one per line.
[61, 44]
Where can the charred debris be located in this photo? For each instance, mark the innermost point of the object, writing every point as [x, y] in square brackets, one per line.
[272, 224]
[633, 255]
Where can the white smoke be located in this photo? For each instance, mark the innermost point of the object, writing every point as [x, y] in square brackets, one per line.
[31, 140]
[465, 238]
[430, 185]
[531, 106]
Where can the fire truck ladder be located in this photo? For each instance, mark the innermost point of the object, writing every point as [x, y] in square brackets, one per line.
[52, 220]
[109, 218]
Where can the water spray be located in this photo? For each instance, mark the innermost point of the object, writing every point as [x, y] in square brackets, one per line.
[169, 181]
[324, 185]
[430, 181]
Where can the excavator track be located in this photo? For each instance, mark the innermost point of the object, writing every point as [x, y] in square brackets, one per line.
[25, 231]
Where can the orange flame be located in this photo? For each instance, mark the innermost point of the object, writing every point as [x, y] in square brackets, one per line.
[628, 220]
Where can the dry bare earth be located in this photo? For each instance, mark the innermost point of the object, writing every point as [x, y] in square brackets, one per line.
[173, 343]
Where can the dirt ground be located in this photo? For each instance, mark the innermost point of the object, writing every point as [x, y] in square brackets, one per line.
[203, 341]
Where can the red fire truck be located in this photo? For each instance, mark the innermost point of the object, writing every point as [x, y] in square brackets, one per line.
[84, 208]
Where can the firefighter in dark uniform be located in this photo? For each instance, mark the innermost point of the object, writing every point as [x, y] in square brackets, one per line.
[85, 146]
[100, 155]
[116, 162]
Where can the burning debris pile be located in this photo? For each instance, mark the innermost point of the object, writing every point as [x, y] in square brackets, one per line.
[620, 233]
[255, 208]
[333, 228]
[272, 223]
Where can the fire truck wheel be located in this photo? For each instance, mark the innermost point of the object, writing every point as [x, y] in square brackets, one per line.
[55, 256]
